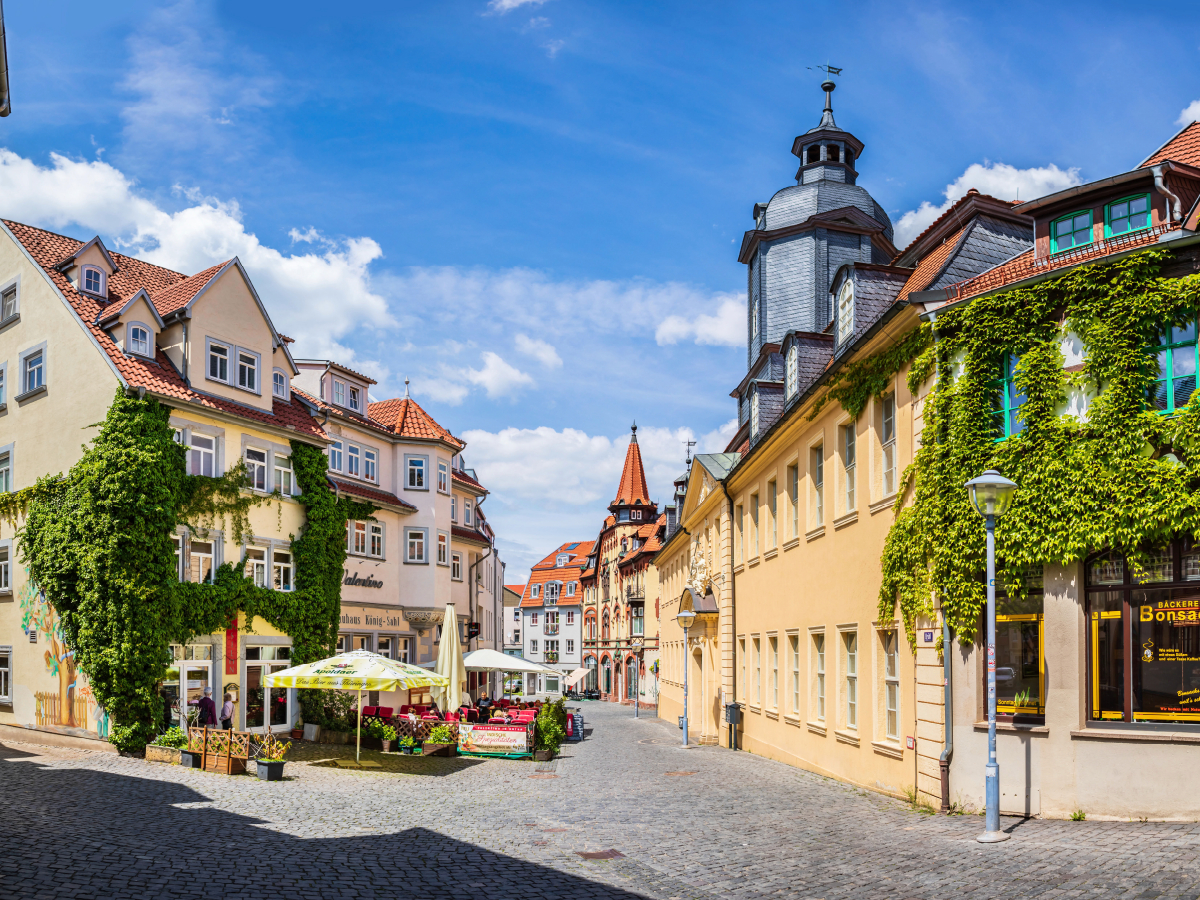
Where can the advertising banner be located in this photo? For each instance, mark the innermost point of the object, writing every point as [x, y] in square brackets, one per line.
[503, 740]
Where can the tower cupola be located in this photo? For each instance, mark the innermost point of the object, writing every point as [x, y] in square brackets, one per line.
[826, 152]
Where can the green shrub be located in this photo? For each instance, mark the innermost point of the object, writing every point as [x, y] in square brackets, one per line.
[441, 734]
[408, 742]
[377, 729]
[172, 737]
[130, 738]
[552, 726]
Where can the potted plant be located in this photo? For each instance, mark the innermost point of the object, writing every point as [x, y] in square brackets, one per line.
[298, 730]
[550, 730]
[441, 742]
[378, 736]
[269, 762]
[408, 744]
[168, 747]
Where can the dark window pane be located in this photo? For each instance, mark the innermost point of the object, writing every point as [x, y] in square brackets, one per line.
[1158, 395]
[1186, 334]
[1183, 390]
[1106, 700]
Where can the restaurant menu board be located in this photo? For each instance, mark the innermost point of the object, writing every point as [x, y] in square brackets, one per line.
[1167, 663]
[495, 739]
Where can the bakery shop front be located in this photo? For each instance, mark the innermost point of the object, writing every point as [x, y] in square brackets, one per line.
[1098, 691]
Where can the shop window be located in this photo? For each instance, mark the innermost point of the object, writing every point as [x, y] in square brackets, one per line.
[1020, 652]
[1007, 400]
[1143, 618]
[1127, 215]
[1174, 350]
[1071, 231]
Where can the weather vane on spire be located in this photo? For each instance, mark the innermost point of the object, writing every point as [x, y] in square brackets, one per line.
[827, 85]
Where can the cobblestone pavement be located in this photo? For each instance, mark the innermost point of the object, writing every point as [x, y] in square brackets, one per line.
[697, 823]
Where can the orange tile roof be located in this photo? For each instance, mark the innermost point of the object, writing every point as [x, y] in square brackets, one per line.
[406, 418]
[928, 268]
[157, 376]
[464, 478]
[180, 294]
[633, 476]
[1183, 148]
[469, 534]
[516, 588]
[342, 414]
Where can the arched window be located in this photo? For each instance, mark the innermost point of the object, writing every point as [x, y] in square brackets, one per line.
[793, 362]
[631, 678]
[604, 626]
[606, 666]
[833, 153]
[93, 280]
[813, 154]
[590, 679]
[754, 413]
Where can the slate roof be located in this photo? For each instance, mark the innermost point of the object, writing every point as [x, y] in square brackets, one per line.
[369, 493]
[406, 418]
[158, 376]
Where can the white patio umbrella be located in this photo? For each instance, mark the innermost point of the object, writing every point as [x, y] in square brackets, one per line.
[449, 664]
[359, 670]
[576, 676]
[488, 660]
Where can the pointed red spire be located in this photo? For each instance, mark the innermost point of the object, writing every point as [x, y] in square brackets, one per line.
[633, 477]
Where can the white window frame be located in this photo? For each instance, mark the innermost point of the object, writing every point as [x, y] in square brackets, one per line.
[285, 393]
[532, 647]
[357, 535]
[756, 643]
[845, 311]
[377, 540]
[7, 454]
[370, 464]
[256, 470]
[773, 646]
[819, 649]
[189, 442]
[848, 647]
[443, 477]
[257, 569]
[570, 646]
[794, 653]
[6, 674]
[421, 535]
[283, 573]
[255, 366]
[336, 451]
[409, 470]
[443, 548]
[816, 455]
[14, 312]
[891, 683]
[535, 591]
[23, 373]
[453, 508]
[793, 490]
[456, 574]
[849, 450]
[3, 384]
[570, 588]
[354, 398]
[101, 277]
[131, 342]
[353, 460]
[6, 560]
[467, 509]
[887, 441]
[792, 371]
[339, 393]
[230, 357]
[285, 475]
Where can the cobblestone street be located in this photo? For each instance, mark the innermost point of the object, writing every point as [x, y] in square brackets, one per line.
[695, 823]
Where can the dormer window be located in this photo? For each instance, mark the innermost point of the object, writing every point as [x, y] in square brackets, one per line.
[139, 340]
[793, 371]
[93, 280]
[1071, 231]
[845, 312]
[561, 560]
[354, 401]
[1128, 214]
[279, 384]
[754, 413]
[339, 392]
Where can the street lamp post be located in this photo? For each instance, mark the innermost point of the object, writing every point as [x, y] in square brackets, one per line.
[991, 494]
[636, 644]
[685, 617]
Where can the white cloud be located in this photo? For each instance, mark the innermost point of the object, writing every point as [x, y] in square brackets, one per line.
[570, 475]
[998, 179]
[500, 7]
[552, 47]
[1190, 114]
[539, 350]
[725, 328]
[297, 288]
[194, 92]
[497, 377]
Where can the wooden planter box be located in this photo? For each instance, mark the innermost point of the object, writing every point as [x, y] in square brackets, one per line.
[225, 765]
[221, 751]
[428, 749]
[543, 755]
[162, 754]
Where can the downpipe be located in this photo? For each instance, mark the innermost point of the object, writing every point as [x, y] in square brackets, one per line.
[948, 716]
[1174, 212]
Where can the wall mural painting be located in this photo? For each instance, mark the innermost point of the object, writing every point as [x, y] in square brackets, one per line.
[73, 705]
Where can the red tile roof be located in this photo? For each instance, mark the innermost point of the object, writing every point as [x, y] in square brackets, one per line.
[468, 534]
[1183, 148]
[516, 588]
[180, 294]
[927, 270]
[464, 478]
[342, 414]
[633, 477]
[369, 493]
[157, 376]
[406, 418]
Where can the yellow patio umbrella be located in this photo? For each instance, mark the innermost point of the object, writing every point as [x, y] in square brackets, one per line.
[449, 664]
[359, 670]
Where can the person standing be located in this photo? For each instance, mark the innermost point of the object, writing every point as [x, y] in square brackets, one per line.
[208, 709]
[227, 712]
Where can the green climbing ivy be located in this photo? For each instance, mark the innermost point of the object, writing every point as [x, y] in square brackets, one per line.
[99, 545]
[1084, 486]
[873, 376]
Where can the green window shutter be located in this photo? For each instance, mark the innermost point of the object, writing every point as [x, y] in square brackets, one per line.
[1127, 215]
[1071, 231]
[1176, 357]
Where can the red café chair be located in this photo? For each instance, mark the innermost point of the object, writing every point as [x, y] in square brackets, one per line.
[384, 712]
[369, 711]
[451, 717]
[405, 709]
[497, 720]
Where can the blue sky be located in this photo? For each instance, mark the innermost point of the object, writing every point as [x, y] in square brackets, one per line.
[532, 209]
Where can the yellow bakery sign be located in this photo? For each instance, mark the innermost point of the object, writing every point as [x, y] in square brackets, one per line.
[1181, 612]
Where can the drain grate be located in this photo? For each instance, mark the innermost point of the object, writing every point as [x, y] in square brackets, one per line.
[601, 854]
[681, 773]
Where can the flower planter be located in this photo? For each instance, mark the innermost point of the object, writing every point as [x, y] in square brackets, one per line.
[155, 753]
[543, 755]
[269, 769]
[297, 734]
[408, 750]
[189, 760]
[428, 749]
[312, 732]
